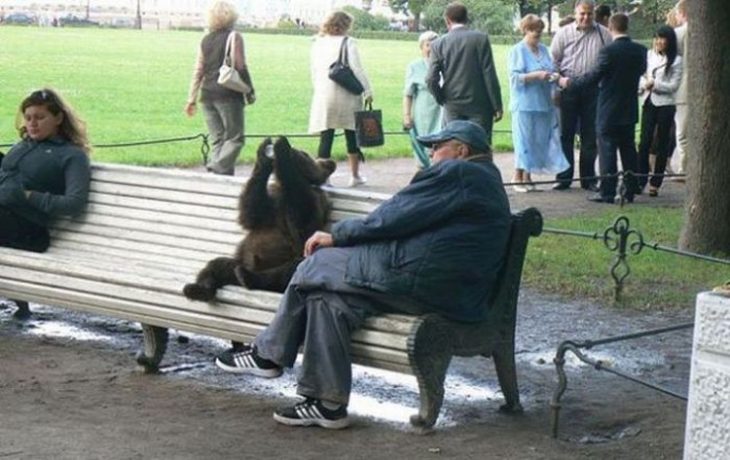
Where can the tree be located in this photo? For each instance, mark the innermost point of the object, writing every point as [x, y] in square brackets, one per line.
[414, 7]
[365, 20]
[493, 16]
[707, 209]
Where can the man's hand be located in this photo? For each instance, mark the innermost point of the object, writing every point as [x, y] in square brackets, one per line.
[316, 241]
[498, 115]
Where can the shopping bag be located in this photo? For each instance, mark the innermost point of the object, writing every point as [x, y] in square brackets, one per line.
[369, 127]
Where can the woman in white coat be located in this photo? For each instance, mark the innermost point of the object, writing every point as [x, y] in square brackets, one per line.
[333, 107]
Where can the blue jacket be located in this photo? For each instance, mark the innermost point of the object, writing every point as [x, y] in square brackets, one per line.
[440, 240]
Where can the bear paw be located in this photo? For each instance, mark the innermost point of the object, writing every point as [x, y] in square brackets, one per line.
[197, 292]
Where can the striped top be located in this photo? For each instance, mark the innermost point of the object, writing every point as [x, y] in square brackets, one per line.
[575, 51]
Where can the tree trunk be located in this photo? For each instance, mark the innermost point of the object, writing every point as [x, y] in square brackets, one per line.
[707, 209]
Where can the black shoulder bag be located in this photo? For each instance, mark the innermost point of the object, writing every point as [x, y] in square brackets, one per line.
[342, 74]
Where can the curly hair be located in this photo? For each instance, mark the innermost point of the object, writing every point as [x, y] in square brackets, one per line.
[221, 16]
[336, 23]
[72, 128]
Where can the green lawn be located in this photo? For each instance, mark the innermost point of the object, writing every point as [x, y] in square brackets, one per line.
[131, 85]
[576, 267]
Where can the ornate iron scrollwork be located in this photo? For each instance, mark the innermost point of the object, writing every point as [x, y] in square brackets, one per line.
[622, 240]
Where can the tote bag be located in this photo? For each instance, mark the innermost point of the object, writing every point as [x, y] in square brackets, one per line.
[369, 127]
[228, 76]
[341, 73]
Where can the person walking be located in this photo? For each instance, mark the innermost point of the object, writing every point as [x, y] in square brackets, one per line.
[461, 73]
[436, 246]
[658, 88]
[333, 107]
[421, 112]
[620, 66]
[575, 49]
[223, 108]
[535, 132]
[680, 117]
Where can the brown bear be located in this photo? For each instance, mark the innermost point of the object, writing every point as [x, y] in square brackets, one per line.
[278, 217]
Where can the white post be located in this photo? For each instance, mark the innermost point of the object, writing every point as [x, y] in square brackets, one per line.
[707, 433]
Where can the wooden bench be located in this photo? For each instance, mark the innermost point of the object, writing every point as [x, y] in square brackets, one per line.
[148, 231]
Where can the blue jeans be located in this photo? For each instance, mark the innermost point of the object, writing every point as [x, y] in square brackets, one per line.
[225, 127]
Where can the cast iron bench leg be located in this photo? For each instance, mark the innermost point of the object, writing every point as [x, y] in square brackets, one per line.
[504, 362]
[155, 345]
[23, 311]
[429, 354]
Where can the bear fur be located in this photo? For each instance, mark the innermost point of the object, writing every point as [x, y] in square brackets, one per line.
[278, 217]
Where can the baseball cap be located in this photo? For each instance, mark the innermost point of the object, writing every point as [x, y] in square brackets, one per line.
[465, 131]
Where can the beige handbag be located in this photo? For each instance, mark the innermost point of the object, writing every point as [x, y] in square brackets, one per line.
[228, 76]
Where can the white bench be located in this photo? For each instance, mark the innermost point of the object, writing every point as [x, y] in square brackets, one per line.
[148, 231]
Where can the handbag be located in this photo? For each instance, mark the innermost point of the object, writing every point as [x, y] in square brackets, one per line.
[341, 73]
[369, 127]
[228, 76]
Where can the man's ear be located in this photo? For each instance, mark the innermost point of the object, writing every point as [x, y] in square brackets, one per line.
[464, 151]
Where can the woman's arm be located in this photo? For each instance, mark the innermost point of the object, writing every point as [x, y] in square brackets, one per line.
[77, 176]
[669, 83]
[353, 56]
[195, 81]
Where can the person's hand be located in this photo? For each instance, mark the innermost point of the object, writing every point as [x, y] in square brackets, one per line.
[407, 122]
[250, 98]
[542, 75]
[190, 109]
[368, 100]
[316, 241]
[649, 85]
[498, 115]
[563, 82]
[27, 193]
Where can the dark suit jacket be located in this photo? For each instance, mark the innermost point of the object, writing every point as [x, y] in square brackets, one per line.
[463, 58]
[620, 65]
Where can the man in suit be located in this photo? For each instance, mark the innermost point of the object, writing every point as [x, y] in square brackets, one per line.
[575, 49]
[620, 65]
[461, 74]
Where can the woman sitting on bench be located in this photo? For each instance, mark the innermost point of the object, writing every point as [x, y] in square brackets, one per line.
[46, 174]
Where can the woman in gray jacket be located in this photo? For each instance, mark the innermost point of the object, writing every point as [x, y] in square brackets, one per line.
[46, 174]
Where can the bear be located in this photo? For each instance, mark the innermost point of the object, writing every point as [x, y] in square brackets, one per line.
[278, 217]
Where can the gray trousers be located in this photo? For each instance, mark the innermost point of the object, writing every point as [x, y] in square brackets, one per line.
[485, 120]
[225, 127]
[320, 311]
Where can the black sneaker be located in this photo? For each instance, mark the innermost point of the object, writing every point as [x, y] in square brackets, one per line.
[246, 361]
[312, 412]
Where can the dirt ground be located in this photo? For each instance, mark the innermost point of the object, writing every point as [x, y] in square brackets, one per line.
[69, 388]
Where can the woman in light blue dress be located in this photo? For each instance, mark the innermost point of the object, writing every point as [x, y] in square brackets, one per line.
[535, 132]
[421, 113]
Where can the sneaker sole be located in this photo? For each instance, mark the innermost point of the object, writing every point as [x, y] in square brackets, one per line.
[266, 373]
[324, 423]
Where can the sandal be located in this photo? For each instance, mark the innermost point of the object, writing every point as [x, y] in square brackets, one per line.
[653, 191]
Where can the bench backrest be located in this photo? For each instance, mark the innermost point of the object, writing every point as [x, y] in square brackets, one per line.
[169, 217]
[503, 311]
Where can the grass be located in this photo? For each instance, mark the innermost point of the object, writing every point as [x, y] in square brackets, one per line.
[131, 85]
[576, 267]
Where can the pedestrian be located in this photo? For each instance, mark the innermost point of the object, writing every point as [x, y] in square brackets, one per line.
[680, 100]
[421, 112]
[575, 49]
[658, 89]
[333, 107]
[535, 131]
[434, 247]
[617, 73]
[223, 108]
[461, 73]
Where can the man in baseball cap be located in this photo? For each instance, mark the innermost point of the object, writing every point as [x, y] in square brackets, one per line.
[457, 140]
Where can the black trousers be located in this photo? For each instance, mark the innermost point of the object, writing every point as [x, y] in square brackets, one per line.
[611, 139]
[578, 112]
[326, 138]
[20, 233]
[659, 118]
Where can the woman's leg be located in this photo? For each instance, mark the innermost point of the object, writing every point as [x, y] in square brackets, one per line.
[354, 157]
[231, 112]
[325, 143]
[19, 233]
[215, 132]
[664, 117]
